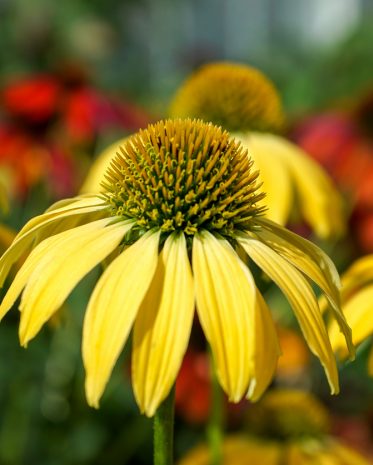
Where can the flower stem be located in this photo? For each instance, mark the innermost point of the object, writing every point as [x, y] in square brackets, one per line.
[164, 431]
[215, 427]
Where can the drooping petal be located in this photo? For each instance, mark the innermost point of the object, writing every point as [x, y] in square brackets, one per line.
[163, 326]
[358, 275]
[112, 309]
[319, 201]
[303, 254]
[24, 239]
[68, 257]
[302, 299]
[23, 276]
[311, 261]
[358, 311]
[267, 350]
[226, 302]
[274, 175]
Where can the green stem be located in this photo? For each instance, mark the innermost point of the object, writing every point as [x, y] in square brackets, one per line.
[215, 428]
[164, 431]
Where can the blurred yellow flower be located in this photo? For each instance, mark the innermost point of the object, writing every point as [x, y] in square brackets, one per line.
[293, 431]
[181, 201]
[357, 306]
[235, 96]
[243, 100]
[239, 450]
[295, 185]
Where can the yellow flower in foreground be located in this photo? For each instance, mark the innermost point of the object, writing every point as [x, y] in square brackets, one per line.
[181, 199]
[237, 97]
[357, 306]
[293, 431]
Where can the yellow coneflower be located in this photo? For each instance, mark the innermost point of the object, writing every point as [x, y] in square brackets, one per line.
[235, 96]
[181, 205]
[243, 100]
[357, 306]
[293, 431]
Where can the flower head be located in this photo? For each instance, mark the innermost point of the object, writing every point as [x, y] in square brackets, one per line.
[288, 413]
[235, 96]
[243, 100]
[184, 177]
[181, 206]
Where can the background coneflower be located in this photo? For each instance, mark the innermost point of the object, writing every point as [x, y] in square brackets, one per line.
[243, 100]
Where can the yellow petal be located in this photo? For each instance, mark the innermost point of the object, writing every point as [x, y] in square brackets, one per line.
[317, 198]
[302, 299]
[267, 350]
[319, 201]
[358, 311]
[358, 275]
[311, 261]
[96, 175]
[112, 309]
[68, 257]
[25, 238]
[163, 326]
[226, 302]
[66, 207]
[23, 276]
[274, 175]
[66, 203]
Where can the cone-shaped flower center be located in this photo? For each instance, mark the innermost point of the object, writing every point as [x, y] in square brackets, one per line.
[238, 97]
[184, 175]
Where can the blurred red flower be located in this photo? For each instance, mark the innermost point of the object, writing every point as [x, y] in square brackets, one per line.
[193, 387]
[48, 121]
